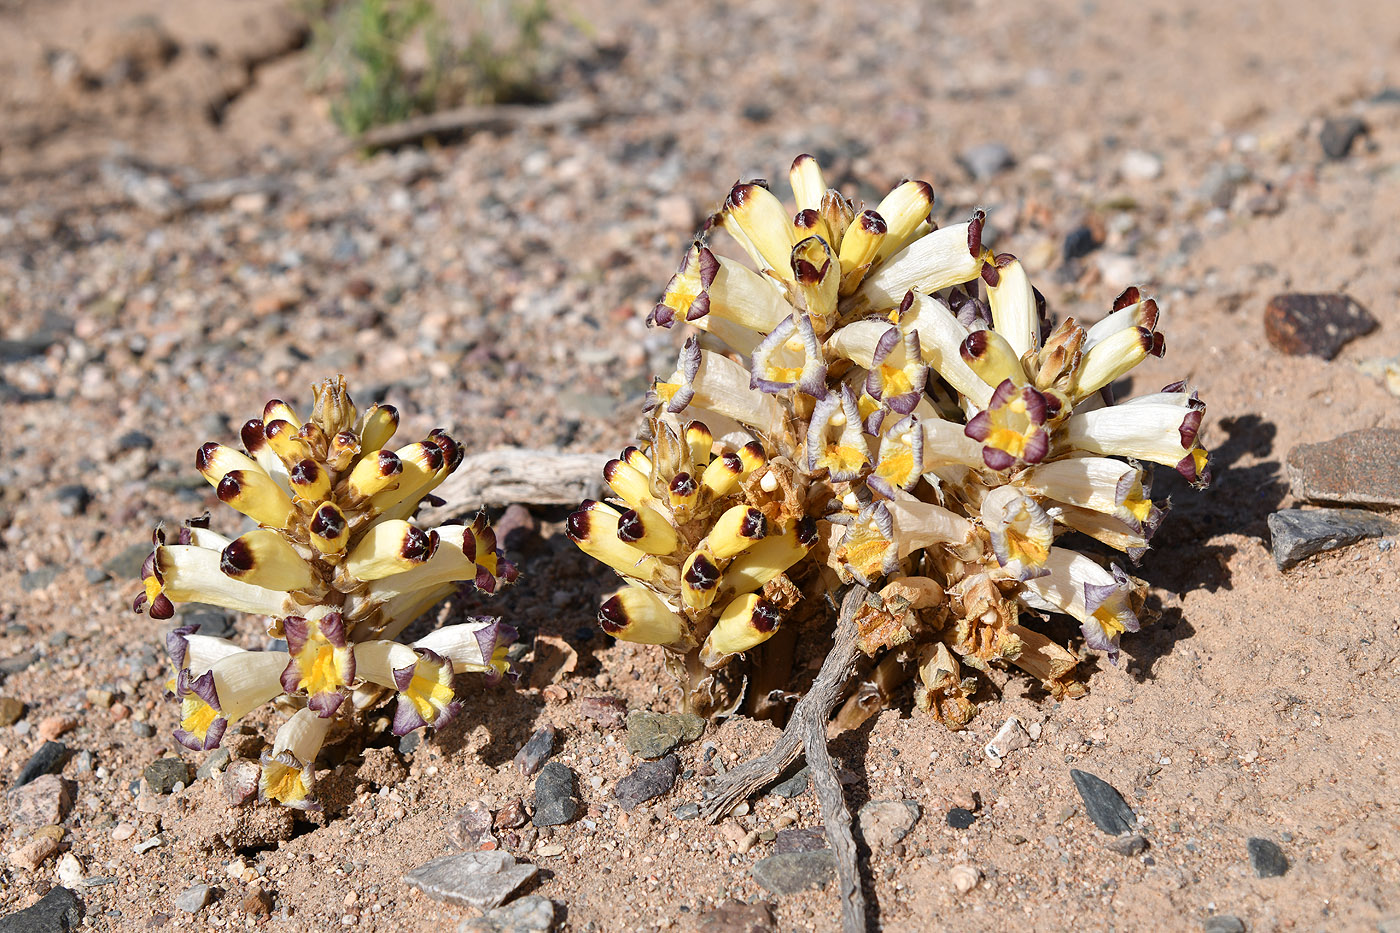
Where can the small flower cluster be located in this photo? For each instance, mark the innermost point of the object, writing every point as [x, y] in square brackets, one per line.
[339, 571]
[887, 396]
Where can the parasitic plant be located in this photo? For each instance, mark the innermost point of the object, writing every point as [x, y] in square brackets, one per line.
[877, 400]
[338, 569]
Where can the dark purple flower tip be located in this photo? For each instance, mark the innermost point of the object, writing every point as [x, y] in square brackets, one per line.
[661, 316]
[161, 608]
[507, 571]
[1035, 405]
[1005, 391]
[880, 485]
[487, 638]
[212, 736]
[979, 427]
[1098, 640]
[698, 307]
[974, 233]
[176, 643]
[326, 703]
[1190, 426]
[403, 676]
[484, 581]
[295, 630]
[1179, 386]
[406, 717]
[1037, 446]
[291, 676]
[1159, 345]
[202, 687]
[332, 626]
[148, 566]
[138, 605]
[997, 459]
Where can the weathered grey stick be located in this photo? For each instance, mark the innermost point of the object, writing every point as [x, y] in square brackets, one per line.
[807, 731]
[512, 474]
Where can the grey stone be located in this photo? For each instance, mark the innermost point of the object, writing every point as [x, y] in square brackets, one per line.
[686, 811]
[216, 762]
[17, 663]
[1339, 134]
[47, 760]
[38, 579]
[134, 440]
[794, 872]
[1079, 243]
[648, 780]
[471, 879]
[73, 499]
[1266, 858]
[530, 914]
[1103, 804]
[44, 801]
[56, 912]
[885, 822]
[535, 752]
[1357, 468]
[127, 564]
[1389, 924]
[801, 839]
[795, 786]
[213, 622]
[164, 773]
[1223, 923]
[556, 795]
[609, 712]
[1128, 845]
[737, 917]
[986, 160]
[195, 898]
[652, 735]
[1219, 182]
[1298, 534]
[95, 575]
[143, 729]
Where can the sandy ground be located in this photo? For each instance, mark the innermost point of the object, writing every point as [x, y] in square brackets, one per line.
[497, 286]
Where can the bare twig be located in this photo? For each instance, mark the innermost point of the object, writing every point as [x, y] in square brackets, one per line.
[462, 121]
[513, 474]
[807, 731]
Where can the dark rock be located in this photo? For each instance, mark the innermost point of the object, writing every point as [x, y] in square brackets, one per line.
[11, 711]
[44, 801]
[240, 781]
[1223, 923]
[737, 917]
[38, 579]
[885, 822]
[194, 899]
[804, 839]
[1387, 95]
[409, 742]
[686, 811]
[134, 440]
[1356, 468]
[648, 780]
[1338, 134]
[556, 795]
[1128, 845]
[1266, 858]
[471, 879]
[608, 712]
[95, 575]
[795, 872]
[1315, 324]
[127, 564]
[1079, 243]
[652, 735]
[143, 729]
[961, 818]
[531, 914]
[1298, 534]
[470, 829]
[535, 752]
[47, 760]
[986, 160]
[17, 663]
[1103, 804]
[213, 622]
[164, 773]
[56, 912]
[73, 499]
[795, 786]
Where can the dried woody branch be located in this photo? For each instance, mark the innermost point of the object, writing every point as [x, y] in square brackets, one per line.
[806, 732]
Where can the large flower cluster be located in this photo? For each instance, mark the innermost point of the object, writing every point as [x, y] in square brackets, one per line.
[887, 396]
[339, 571]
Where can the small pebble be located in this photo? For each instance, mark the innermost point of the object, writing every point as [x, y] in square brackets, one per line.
[964, 878]
[961, 818]
[1266, 858]
[1223, 923]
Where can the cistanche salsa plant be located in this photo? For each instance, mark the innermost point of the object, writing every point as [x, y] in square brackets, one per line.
[881, 400]
[339, 570]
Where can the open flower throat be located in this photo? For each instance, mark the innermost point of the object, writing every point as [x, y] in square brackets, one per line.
[888, 397]
[339, 571]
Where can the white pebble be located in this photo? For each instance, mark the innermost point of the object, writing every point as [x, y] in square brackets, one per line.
[964, 878]
[70, 870]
